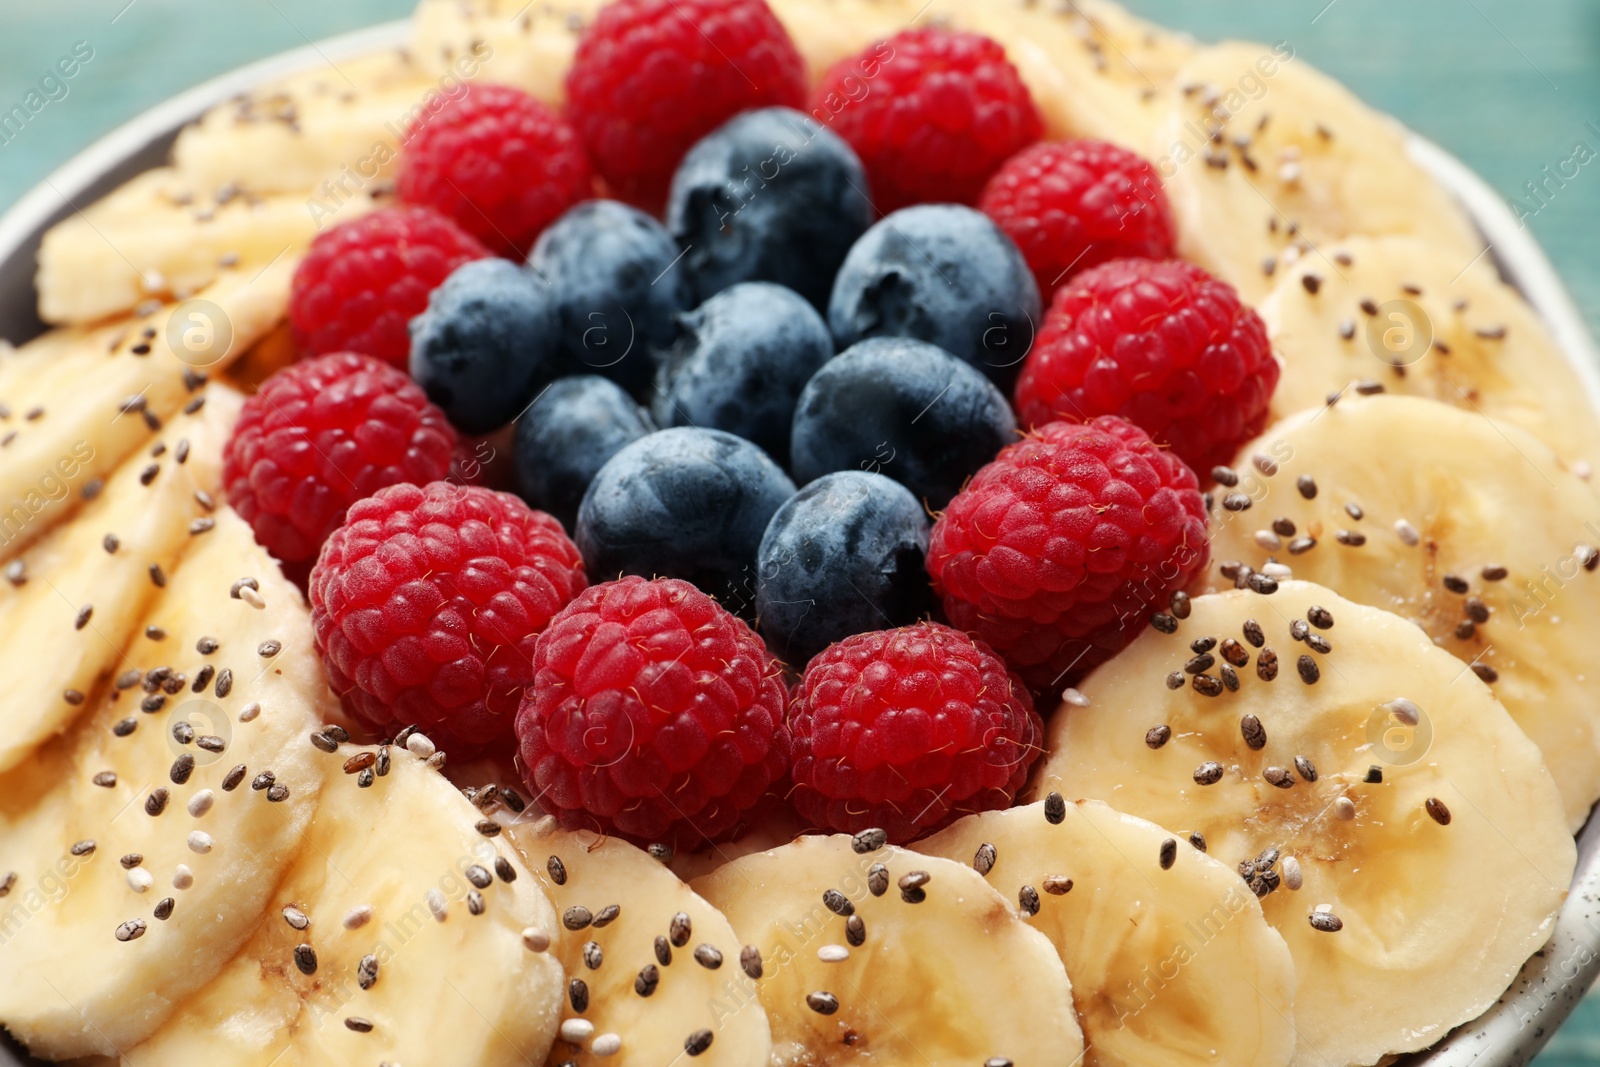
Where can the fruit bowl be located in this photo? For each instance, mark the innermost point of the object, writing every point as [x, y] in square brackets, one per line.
[1551, 983]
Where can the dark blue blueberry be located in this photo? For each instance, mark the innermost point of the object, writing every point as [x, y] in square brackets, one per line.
[485, 345]
[616, 283]
[903, 408]
[944, 274]
[683, 503]
[843, 556]
[566, 436]
[769, 196]
[739, 364]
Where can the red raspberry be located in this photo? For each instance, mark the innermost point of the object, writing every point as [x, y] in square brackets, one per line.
[361, 283]
[321, 435]
[500, 163]
[652, 77]
[653, 714]
[1163, 344]
[1072, 205]
[940, 112]
[426, 604]
[1058, 551]
[907, 730]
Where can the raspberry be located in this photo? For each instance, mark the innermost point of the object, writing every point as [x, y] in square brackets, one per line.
[363, 280]
[652, 77]
[321, 435]
[907, 730]
[426, 604]
[653, 714]
[1073, 205]
[1061, 548]
[1163, 344]
[943, 110]
[500, 163]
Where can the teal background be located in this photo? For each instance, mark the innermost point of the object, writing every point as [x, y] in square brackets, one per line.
[1508, 85]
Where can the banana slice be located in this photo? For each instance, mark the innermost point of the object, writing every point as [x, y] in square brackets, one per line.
[114, 947]
[1267, 160]
[85, 587]
[161, 234]
[1094, 69]
[416, 953]
[1401, 313]
[882, 955]
[82, 399]
[653, 970]
[1119, 896]
[1431, 527]
[509, 42]
[332, 133]
[1377, 775]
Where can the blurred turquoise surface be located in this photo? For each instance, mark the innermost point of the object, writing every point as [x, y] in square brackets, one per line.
[1510, 86]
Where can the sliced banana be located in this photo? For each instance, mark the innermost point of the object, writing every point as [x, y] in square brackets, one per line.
[653, 969]
[1402, 313]
[161, 234]
[1172, 964]
[1267, 160]
[84, 398]
[1094, 69]
[331, 134]
[509, 42]
[415, 925]
[1377, 775]
[887, 956]
[78, 595]
[771, 823]
[155, 857]
[1444, 497]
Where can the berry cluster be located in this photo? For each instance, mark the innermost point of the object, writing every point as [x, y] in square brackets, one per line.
[763, 401]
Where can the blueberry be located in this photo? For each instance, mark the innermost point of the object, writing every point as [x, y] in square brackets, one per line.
[739, 364]
[944, 274]
[616, 282]
[769, 196]
[485, 345]
[683, 503]
[903, 408]
[566, 436]
[843, 556]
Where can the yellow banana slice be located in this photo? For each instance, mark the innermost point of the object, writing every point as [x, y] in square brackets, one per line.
[77, 597]
[1403, 834]
[161, 235]
[653, 969]
[1267, 160]
[330, 134]
[1446, 498]
[1171, 962]
[1403, 314]
[91, 395]
[876, 954]
[398, 936]
[152, 856]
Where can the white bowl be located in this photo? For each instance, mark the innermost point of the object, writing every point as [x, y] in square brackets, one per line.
[1550, 985]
